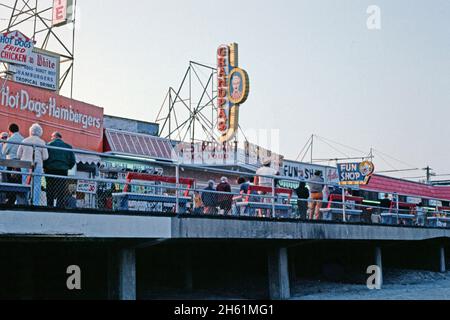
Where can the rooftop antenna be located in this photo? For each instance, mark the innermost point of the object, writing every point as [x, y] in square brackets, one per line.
[8, 75]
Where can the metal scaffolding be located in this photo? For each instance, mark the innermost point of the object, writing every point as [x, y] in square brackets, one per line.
[189, 113]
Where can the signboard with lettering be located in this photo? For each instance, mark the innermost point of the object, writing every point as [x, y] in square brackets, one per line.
[357, 173]
[62, 12]
[206, 153]
[233, 88]
[81, 124]
[413, 200]
[15, 48]
[42, 70]
[435, 203]
[304, 172]
[86, 186]
[255, 155]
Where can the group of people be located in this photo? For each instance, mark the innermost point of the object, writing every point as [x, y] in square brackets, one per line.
[313, 195]
[214, 199]
[220, 198]
[310, 197]
[34, 151]
[418, 211]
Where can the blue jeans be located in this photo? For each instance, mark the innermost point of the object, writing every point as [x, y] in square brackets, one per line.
[421, 219]
[37, 187]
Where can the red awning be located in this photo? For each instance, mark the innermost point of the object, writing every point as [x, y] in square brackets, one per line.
[134, 144]
[409, 188]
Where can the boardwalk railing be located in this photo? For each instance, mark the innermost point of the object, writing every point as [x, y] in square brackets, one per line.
[117, 184]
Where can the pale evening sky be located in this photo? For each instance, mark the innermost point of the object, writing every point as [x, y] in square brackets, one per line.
[314, 67]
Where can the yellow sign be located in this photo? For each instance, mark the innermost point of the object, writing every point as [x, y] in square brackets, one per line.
[355, 173]
[233, 87]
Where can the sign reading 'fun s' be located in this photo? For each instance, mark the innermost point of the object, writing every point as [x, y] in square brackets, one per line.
[233, 88]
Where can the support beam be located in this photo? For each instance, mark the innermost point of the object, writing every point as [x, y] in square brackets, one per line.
[442, 260]
[379, 263]
[278, 268]
[122, 274]
[188, 276]
[292, 266]
[24, 272]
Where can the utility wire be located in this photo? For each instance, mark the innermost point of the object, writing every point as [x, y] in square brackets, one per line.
[341, 144]
[308, 143]
[335, 149]
[306, 152]
[387, 162]
[395, 159]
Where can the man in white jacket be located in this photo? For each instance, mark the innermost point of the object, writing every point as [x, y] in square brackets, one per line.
[36, 154]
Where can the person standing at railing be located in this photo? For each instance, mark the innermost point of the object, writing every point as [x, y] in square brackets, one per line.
[9, 149]
[243, 191]
[198, 204]
[224, 196]
[316, 185]
[385, 203]
[262, 179]
[420, 215]
[10, 153]
[3, 178]
[303, 196]
[35, 154]
[59, 163]
[209, 198]
[3, 138]
[265, 170]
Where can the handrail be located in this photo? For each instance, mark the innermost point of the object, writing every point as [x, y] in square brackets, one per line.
[177, 164]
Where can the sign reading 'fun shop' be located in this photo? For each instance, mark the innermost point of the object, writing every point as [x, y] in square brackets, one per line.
[357, 173]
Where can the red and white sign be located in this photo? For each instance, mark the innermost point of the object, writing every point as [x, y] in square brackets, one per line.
[86, 186]
[206, 153]
[61, 12]
[42, 71]
[81, 124]
[15, 48]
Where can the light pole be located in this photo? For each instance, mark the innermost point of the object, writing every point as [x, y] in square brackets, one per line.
[9, 74]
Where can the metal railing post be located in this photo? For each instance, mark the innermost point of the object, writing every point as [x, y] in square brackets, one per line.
[343, 206]
[32, 182]
[177, 179]
[273, 198]
[398, 208]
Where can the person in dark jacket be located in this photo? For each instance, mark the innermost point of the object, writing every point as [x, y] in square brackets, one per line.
[385, 203]
[302, 201]
[225, 200]
[209, 198]
[58, 163]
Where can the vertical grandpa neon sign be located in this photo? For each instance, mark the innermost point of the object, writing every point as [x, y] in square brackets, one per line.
[233, 88]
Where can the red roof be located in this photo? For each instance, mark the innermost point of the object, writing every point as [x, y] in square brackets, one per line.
[408, 188]
[129, 143]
